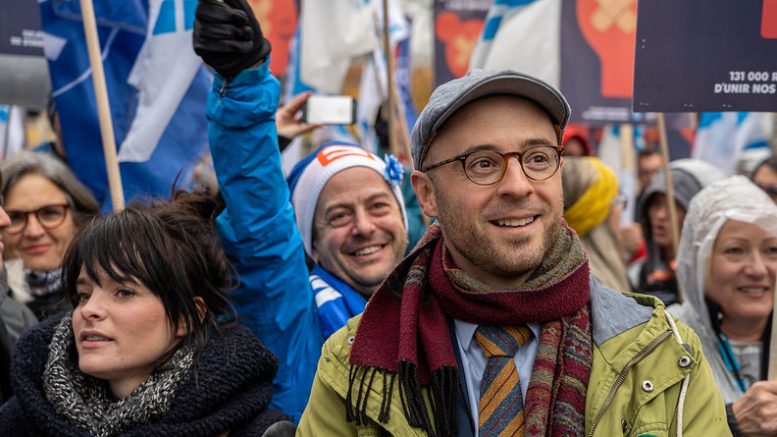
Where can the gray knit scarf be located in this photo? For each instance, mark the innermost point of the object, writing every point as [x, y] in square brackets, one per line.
[86, 401]
[43, 283]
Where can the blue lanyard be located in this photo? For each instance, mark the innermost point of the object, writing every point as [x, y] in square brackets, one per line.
[731, 361]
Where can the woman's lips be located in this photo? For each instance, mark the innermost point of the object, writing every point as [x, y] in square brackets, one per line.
[36, 248]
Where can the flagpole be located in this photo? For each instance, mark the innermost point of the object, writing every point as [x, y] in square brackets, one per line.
[399, 140]
[7, 133]
[670, 202]
[103, 108]
[772, 370]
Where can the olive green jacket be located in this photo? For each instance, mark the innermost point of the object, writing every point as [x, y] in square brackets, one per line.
[638, 373]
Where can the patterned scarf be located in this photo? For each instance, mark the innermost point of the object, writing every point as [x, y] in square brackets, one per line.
[44, 283]
[85, 401]
[426, 289]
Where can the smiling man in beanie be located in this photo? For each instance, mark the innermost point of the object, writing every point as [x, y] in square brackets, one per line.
[493, 325]
[351, 215]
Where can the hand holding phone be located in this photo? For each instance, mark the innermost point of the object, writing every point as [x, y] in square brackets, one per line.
[288, 117]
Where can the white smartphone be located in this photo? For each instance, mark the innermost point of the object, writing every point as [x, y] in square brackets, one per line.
[320, 109]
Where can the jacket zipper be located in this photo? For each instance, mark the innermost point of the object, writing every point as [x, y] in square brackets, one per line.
[622, 376]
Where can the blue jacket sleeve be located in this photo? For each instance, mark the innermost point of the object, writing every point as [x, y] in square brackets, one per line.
[259, 234]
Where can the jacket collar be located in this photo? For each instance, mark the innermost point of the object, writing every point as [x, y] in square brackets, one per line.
[613, 313]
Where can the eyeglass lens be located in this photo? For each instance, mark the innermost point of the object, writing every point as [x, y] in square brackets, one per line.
[48, 216]
[488, 166]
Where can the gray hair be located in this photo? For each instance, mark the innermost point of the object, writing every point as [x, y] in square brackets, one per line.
[81, 200]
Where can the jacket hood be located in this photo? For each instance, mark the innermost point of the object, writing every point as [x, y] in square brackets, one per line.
[735, 198]
[689, 176]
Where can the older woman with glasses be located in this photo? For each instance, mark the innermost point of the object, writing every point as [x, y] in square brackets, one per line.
[46, 205]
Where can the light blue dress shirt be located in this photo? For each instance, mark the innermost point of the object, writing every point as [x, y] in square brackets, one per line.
[473, 361]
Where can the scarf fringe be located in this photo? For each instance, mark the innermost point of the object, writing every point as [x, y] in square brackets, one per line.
[388, 389]
[413, 405]
[443, 399]
[357, 411]
[445, 382]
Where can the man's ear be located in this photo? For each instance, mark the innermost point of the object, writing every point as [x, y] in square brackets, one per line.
[314, 252]
[424, 192]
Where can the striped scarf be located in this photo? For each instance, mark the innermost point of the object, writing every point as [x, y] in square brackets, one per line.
[404, 334]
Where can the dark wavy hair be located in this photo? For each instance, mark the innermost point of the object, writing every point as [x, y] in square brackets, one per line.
[170, 247]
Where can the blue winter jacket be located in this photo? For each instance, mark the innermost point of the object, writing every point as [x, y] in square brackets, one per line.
[259, 234]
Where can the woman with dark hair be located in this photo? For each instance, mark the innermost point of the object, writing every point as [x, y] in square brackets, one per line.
[145, 351]
[655, 274]
[47, 205]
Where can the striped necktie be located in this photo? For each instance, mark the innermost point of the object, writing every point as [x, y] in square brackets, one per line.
[500, 412]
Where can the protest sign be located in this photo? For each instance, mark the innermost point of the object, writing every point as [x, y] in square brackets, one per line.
[597, 58]
[697, 56]
[278, 19]
[457, 26]
[22, 65]
[20, 32]
[583, 47]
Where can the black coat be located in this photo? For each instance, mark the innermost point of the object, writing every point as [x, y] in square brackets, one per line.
[230, 391]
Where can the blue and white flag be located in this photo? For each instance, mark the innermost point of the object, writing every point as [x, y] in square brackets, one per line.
[522, 35]
[11, 130]
[373, 88]
[723, 136]
[333, 32]
[293, 84]
[156, 86]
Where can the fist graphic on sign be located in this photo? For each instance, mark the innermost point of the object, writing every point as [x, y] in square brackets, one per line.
[279, 22]
[769, 20]
[609, 28]
[459, 38]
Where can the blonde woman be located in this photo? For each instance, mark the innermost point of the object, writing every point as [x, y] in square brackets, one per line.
[726, 266]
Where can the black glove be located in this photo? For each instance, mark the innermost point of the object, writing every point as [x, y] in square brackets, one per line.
[227, 36]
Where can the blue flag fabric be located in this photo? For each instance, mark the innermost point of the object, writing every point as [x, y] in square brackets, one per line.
[723, 136]
[122, 28]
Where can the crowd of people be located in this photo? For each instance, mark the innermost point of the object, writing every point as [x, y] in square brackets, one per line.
[302, 302]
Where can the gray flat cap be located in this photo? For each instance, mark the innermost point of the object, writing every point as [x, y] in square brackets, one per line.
[452, 96]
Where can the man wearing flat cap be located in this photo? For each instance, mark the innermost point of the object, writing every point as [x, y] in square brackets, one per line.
[494, 324]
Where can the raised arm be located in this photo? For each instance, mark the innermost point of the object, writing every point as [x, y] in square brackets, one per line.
[257, 228]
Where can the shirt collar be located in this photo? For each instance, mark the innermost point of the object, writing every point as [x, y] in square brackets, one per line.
[465, 332]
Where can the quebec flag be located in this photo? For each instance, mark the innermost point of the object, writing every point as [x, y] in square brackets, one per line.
[722, 136]
[333, 32]
[523, 35]
[157, 89]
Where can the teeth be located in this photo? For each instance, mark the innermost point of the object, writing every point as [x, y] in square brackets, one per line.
[515, 222]
[367, 250]
[94, 338]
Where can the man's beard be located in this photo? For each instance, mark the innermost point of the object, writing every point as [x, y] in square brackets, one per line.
[521, 255]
